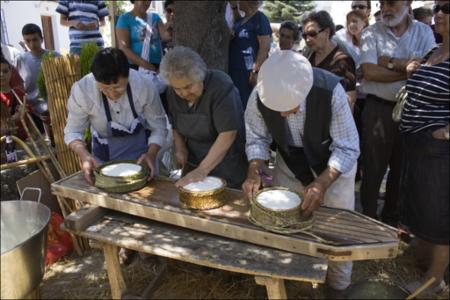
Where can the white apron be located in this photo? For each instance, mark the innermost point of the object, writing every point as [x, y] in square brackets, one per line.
[341, 194]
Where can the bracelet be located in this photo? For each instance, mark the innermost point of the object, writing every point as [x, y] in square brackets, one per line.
[254, 71]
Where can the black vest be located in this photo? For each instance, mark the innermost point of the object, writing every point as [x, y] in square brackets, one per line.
[316, 137]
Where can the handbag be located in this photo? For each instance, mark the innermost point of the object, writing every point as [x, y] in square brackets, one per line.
[401, 97]
[151, 76]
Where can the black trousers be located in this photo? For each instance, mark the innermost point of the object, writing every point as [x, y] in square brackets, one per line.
[381, 147]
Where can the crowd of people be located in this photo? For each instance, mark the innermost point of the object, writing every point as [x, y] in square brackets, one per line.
[322, 112]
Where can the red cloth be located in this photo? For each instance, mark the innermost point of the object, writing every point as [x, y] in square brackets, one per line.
[10, 101]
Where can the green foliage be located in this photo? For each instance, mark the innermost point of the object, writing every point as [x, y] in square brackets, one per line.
[87, 54]
[120, 6]
[279, 11]
[41, 79]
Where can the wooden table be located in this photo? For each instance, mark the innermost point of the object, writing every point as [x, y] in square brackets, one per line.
[336, 234]
[269, 266]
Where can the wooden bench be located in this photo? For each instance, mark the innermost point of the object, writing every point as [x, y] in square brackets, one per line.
[116, 230]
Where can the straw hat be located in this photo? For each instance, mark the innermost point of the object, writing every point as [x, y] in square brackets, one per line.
[284, 80]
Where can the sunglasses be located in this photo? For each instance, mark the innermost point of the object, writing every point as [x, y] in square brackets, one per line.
[445, 8]
[312, 34]
[355, 7]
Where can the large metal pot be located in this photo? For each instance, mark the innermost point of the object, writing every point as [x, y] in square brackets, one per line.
[23, 246]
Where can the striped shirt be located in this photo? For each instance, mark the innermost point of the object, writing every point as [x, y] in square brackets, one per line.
[86, 12]
[428, 99]
[344, 147]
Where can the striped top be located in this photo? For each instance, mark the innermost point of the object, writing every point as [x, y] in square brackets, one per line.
[428, 102]
[84, 11]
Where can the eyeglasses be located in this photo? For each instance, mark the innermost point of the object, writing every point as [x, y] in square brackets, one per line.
[312, 34]
[445, 8]
[355, 7]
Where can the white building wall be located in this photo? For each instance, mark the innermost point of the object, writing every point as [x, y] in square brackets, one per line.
[19, 13]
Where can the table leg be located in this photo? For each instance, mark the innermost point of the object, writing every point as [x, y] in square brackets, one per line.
[114, 272]
[274, 286]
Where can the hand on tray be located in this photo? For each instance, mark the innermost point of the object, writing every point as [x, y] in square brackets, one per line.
[149, 160]
[313, 196]
[195, 175]
[251, 185]
[88, 164]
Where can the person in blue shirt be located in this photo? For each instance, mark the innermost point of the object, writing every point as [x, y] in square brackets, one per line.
[139, 36]
[249, 47]
[84, 19]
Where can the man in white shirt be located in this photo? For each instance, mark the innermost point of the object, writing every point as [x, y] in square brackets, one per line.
[123, 110]
[387, 47]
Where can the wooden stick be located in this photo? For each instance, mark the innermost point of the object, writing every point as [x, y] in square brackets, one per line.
[23, 162]
[42, 140]
[421, 288]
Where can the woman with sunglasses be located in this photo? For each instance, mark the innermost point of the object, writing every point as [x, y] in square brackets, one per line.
[324, 53]
[362, 6]
[424, 127]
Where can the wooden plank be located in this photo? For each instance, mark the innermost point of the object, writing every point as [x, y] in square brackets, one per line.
[275, 287]
[159, 201]
[84, 217]
[115, 276]
[208, 250]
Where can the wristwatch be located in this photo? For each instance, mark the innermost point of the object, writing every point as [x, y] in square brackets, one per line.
[390, 64]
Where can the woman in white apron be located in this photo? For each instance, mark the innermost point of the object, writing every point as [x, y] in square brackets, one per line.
[124, 112]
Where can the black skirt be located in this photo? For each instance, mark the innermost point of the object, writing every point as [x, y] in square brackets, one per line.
[424, 187]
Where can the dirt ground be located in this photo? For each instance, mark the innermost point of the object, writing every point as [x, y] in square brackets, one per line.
[85, 278]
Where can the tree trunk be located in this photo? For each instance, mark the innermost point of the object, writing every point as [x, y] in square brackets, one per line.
[201, 25]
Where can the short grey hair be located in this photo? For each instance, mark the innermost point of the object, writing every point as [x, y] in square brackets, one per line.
[182, 62]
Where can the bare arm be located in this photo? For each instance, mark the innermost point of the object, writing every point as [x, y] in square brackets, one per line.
[263, 52]
[64, 21]
[123, 40]
[163, 33]
[372, 72]
[215, 155]
[101, 21]
[218, 150]
[180, 148]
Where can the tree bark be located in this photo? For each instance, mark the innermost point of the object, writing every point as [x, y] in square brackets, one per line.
[201, 26]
